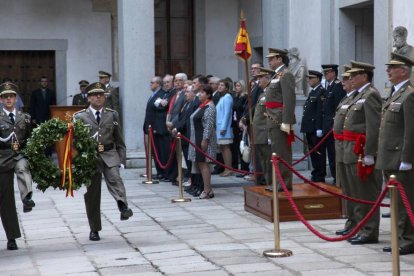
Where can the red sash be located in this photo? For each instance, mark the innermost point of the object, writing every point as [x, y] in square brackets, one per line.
[273, 105]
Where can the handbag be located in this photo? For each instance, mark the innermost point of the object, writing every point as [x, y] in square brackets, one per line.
[245, 148]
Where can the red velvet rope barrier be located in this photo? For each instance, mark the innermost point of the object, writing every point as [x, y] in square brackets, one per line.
[306, 180]
[214, 160]
[172, 155]
[313, 149]
[404, 199]
[310, 227]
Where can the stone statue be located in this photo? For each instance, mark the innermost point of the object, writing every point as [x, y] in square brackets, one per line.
[399, 35]
[298, 68]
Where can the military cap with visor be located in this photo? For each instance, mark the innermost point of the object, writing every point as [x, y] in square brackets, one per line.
[273, 52]
[397, 59]
[327, 67]
[360, 67]
[8, 88]
[345, 74]
[314, 74]
[83, 83]
[103, 74]
[95, 88]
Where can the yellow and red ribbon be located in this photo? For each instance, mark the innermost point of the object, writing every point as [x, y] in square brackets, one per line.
[67, 161]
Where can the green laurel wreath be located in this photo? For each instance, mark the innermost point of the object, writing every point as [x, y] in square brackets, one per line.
[44, 172]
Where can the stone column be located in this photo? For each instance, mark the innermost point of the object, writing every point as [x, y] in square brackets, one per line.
[136, 65]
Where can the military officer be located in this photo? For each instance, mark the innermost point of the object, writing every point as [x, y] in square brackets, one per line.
[396, 143]
[260, 131]
[105, 127]
[330, 100]
[15, 128]
[111, 93]
[312, 121]
[82, 97]
[347, 188]
[280, 110]
[361, 123]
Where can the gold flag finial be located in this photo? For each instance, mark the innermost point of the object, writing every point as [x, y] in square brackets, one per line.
[241, 15]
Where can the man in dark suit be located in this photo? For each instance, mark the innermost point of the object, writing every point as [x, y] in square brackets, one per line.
[396, 143]
[104, 125]
[40, 102]
[312, 121]
[330, 100]
[15, 128]
[82, 97]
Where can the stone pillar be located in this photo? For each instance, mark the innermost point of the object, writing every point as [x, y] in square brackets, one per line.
[136, 65]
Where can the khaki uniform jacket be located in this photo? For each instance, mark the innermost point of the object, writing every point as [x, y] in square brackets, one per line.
[78, 99]
[364, 116]
[281, 90]
[22, 129]
[260, 122]
[338, 125]
[112, 98]
[396, 135]
[109, 134]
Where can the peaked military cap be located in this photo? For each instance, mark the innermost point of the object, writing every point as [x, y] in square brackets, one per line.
[266, 70]
[261, 74]
[83, 83]
[357, 66]
[327, 67]
[346, 67]
[397, 59]
[95, 87]
[314, 74]
[8, 88]
[276, 52]
[103, 74]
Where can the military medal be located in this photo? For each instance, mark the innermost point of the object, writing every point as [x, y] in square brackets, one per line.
[101, 147]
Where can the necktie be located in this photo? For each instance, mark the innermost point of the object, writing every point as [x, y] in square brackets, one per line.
[11, 116]
[98, 117]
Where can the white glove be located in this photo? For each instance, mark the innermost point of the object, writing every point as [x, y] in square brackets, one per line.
[285, 128]
[405, 166]
[122, 166]
[319, 133]
[269, 142]
[157, 102]
[369, 160]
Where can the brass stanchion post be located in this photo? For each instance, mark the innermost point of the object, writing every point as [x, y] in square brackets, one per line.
[179, 152]
[394, 229]
[276, 252]
[149, 161]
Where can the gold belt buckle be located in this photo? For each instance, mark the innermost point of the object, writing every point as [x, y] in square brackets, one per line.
[15, 146]
[101, 147]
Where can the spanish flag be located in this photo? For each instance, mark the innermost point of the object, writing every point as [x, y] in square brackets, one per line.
[242, 47]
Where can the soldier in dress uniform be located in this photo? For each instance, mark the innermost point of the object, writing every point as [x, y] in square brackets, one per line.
[82, 97]
[330, 100]
[111, 93]
[347, 187]
[396, 143]
[280, 110]
[361, 124]
[312, 121]
[15, 128]
[105, 127]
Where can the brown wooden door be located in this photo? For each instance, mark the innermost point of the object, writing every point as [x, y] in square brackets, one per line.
[25, 69]
[174, 37]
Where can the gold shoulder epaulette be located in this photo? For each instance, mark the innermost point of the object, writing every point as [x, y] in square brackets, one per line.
[82, 110]
[110, 109]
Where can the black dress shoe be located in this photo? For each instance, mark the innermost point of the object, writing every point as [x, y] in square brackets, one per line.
[363, 240]
[403, 250]
[343, 232]
[28, 204]
[126, 213]
[94, 236]
[11, 245]
[197, 192]
[174, 183]
[386, 215]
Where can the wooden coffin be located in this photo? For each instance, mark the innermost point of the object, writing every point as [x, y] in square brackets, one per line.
[312, 202]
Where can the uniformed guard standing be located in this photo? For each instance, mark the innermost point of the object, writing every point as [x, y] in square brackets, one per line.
[15, 128]
[396, 142]
[330, 100]
[347, 188]
[104, 125]
[280, 110]
[361, 123]
[111, 93]
[82, 97]
[311, 122]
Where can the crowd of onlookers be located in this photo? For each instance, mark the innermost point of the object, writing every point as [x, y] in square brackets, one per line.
[207, 110]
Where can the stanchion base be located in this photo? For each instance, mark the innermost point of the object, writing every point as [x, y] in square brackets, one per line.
[273, 253]
[178, 200]
[150, 182]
